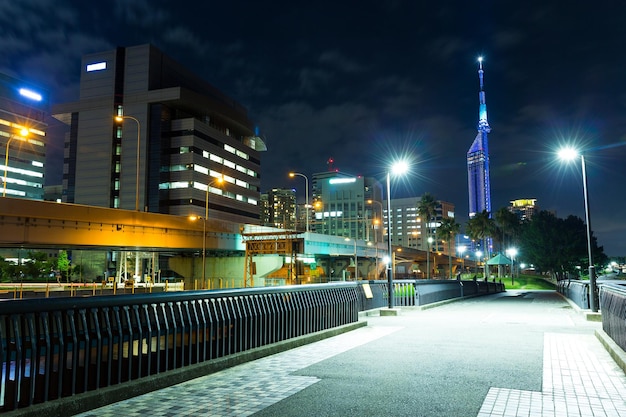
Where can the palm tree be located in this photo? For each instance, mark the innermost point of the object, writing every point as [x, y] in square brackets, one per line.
[426, 209]
[508, 226]
[449, 228]
[481, 227]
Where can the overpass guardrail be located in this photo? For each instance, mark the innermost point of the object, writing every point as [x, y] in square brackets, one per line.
[54, 348]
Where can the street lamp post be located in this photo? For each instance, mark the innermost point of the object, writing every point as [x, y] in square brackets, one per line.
[23, 134]
[398, 168]
[218, 180]
[430, 241]
[569, 154]
[120, 119]
[372, 202]
[478, 256]
[306, 193]
[356, 262]
[512, 252]
[461, 250]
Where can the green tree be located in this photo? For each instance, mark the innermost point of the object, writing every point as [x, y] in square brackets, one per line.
[37, 266]
[558, 246]
[448, 229]
[480, 228]
[426, 209]
[507, 228]
[63, 263]
[7, 269]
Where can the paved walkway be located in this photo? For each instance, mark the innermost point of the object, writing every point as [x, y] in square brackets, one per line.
[513, 354]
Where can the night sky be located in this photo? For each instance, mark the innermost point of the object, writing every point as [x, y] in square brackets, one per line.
[364, 82]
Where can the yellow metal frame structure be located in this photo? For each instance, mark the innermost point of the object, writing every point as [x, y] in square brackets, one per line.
[270, 243]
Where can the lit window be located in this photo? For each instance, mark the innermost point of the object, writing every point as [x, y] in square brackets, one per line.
[229, 148]
[201, 169]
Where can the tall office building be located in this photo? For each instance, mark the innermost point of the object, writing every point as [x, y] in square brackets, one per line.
[176, 137]
[347, 205]
[479, 183]
[524, 208]
[408, 230]
[23, 108]
[278, 209]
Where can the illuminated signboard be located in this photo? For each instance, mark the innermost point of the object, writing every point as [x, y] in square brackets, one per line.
[30, 94]
[341, 180]
[98, 66]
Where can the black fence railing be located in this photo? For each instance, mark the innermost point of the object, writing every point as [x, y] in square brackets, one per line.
[613, 307]
[53, 348]
[577, 291]
[374, 294]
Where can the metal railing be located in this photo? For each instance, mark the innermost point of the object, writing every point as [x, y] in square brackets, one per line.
[58, 347]
[54, 348]
[577, 291]
[374, 294]
[613, 307]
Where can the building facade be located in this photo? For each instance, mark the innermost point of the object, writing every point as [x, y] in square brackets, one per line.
[173, 141]
[347, 205]
[479, 182]
[524, 208]
[23, 109]
[278, 209]
[408, 230]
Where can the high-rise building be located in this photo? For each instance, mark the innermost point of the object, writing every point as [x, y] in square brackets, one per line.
[347, 205]
[278, 208]
[23, 108]
[479, 183]
[408, 230]
[174, 137]
[524, 208]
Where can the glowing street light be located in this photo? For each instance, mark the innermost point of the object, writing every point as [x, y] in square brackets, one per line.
[23, 134]
[397, 169]
[568, 154]
[121, 119]
[306, 205]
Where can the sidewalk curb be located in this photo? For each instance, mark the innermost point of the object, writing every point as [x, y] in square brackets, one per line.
[618, 355]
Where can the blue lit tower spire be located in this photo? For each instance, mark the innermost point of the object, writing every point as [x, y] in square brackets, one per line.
[478, 158]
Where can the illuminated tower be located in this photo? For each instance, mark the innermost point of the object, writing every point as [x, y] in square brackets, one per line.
[478, 158]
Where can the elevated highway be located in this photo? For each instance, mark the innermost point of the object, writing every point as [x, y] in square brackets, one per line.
[177, 242]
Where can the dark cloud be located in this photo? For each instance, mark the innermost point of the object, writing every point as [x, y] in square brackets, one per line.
[364, 84]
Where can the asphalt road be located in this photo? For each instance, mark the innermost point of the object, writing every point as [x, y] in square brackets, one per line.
[438, 362]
